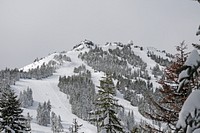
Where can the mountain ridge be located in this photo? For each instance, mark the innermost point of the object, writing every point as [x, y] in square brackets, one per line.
[65, 63]
[86, 44]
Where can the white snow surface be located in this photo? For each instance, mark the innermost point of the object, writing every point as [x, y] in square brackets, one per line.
[189, 107]
[47, 89]
[39, 63]
[193, 59]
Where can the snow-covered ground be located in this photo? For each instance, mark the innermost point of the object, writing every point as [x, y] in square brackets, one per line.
[47, 89]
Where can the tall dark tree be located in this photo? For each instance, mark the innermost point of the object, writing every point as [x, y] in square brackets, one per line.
[189, 116]
[168, 105]
[11, 118]
[106, 108]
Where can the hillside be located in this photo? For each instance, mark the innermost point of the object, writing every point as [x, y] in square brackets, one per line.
[132, 67]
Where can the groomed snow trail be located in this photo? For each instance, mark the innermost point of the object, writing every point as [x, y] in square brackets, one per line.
[47, 89]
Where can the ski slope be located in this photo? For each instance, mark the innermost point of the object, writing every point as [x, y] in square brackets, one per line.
[47, 89]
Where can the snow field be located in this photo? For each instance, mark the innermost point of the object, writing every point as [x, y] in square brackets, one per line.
[47, 89]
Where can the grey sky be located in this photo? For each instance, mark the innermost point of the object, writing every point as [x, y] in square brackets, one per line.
[34, 28]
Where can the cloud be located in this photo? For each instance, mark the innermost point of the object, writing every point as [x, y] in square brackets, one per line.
[34, 28]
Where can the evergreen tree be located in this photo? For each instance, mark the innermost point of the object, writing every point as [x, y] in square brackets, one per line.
[28, 122]
[26, 98]
[106, 108]
[60, 126]
[43, 114]
[156, 71]
[56, 125]
[11, 118]
[168, 105]
[48, 111]
[81, 90]
[53, 122]
[75, 127]
[39, 114]
[189, 116]
[30, 96]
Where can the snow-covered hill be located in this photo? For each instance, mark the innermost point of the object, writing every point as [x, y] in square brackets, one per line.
[47, 88]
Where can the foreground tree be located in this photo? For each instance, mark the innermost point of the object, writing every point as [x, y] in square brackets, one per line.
[189, 116]
[105, 114]
[168, 105]
[11, 118]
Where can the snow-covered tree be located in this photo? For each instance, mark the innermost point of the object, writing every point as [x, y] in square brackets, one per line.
[105, 115]
[189, 116]
[44, 71]
[113, 61]
[156, 71]
[29, 119]
[11, 118]
[43, 114]
[8, 77]
[39, 114]
[48, 111]
[56, 125]
[166, 106]
[81, 90]
[130, 120]
[53, 122]
[75, 127]
[26, 98]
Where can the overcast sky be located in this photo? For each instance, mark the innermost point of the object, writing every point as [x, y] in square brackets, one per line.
[35, 28]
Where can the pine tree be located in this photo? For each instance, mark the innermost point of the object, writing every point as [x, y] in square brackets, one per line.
[43, 114]
[75, 127]
[30, 96]
[56, 125]
[189, 116]
[168, 105]
[48, 111]
[11, 118]
[26, 98]
[53, 122]
[60, 126]
[39, 114]
[28, 122]
[106, 108]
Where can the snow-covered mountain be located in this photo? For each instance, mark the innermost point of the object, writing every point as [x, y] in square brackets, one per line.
[142, 62]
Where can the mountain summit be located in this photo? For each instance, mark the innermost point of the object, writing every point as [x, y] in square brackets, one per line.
[69, 82]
